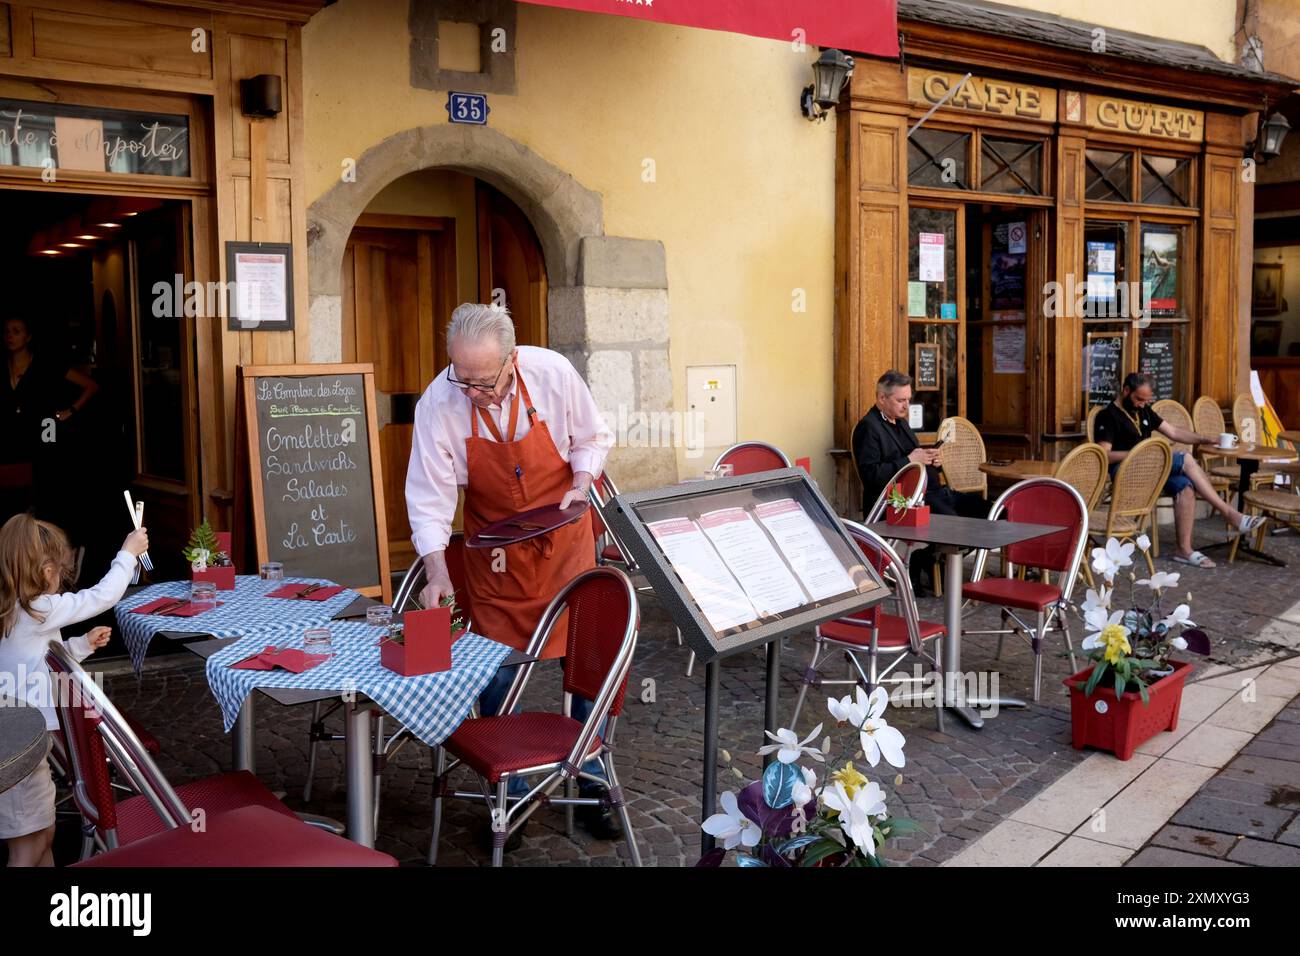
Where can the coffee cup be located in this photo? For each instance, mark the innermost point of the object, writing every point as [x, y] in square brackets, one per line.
[1227, 440]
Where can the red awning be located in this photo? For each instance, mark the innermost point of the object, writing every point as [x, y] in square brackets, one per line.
[855, 26]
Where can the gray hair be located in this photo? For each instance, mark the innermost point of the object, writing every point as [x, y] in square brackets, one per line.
[891, 380]
[475, 322]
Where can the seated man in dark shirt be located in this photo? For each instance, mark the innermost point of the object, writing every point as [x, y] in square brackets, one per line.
[1128, 420]
[883, 443]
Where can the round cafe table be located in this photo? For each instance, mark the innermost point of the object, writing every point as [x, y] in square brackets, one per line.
[1248, 458]
[1019, 470]
[23, 741]
[1291, 435]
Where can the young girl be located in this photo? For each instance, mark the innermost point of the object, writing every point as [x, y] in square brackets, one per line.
[36, 563]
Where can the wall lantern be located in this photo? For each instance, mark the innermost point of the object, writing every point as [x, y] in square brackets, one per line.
[260, 95]
[1268, 142]
[830, 73]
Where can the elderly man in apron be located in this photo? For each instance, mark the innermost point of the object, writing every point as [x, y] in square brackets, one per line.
[516, 428]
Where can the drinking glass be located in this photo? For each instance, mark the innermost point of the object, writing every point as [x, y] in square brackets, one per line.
[272, 571]
[379, 615]
[317, 640]
[203, 594]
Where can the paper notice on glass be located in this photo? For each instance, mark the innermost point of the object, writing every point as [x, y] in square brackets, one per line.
[1009, 346]
[916, 300]
[721, 599]
[930, 257]
[1101, 285]
[752, 559]
[803, 545]
[260, 282]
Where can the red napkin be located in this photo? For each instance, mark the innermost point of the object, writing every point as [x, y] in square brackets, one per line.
[185, 610]
[291, 659]
[293, 590]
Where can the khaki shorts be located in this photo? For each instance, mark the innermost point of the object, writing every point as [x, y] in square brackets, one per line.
[28, 806]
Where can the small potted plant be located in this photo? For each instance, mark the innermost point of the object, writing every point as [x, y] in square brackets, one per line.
[899, 513]
[1134, 688]
[420, 643]
[208, 555]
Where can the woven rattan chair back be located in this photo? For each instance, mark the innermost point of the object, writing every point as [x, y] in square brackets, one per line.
[1138, 481]
[1245, 418]
[963, 453]
[1084, 470]
[1208, 417]
[1092, 421]
[1174, 413]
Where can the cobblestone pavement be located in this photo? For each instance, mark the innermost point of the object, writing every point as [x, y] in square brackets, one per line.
[955, 785]
[1246, 815]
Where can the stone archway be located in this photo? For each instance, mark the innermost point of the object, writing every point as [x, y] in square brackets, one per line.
[608, 300]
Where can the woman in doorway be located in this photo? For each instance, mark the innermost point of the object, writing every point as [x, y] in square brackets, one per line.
[32, 397]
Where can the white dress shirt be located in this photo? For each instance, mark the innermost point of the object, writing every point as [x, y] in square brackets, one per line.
[23, 672]
[442, 424]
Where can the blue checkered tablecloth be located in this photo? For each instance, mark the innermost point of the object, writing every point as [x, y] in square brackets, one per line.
[243, 611]
[431, 706]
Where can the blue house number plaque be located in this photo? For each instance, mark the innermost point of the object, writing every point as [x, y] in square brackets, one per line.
[467, 108]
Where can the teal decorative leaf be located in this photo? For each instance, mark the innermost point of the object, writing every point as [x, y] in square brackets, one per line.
[743, 859]
[778, 782]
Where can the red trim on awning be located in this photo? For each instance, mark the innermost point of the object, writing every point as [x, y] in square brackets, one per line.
[855, 26]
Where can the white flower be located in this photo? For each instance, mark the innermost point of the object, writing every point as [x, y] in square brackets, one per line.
[1107, 561]
[1097, 600]
[849, 711]
[857, 814]
[731, 826]
[1161, 580]
[878, 738]
[1179, 643]
[1181, 617]
[789, 747]
[1144, 543]
[1097, 621]
[802, 791]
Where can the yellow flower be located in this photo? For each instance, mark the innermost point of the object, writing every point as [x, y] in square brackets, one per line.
[851, 778]
[1115, 638]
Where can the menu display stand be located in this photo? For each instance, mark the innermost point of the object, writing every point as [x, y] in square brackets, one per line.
[739, 563]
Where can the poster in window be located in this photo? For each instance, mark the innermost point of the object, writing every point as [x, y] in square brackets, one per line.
[1101, 257]
[1007, 280]
[1160, 271]
[928, 367]
[1266, 289]
[1009, 343]
[930, 265]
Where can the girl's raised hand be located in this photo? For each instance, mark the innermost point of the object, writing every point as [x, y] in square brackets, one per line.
[137, 542]
[98, 637]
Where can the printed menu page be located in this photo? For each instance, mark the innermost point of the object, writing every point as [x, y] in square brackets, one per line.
[749, 554]
[720, 598]
[804, 547]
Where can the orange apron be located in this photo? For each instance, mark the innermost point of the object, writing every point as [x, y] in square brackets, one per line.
[506, 477]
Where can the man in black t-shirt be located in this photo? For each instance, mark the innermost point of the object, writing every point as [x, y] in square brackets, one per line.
[1130, 419]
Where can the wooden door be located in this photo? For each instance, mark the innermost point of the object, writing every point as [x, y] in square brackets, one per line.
[511, 268]
[399, 289]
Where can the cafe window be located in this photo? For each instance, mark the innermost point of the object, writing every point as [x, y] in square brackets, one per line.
[933, 337]
[1166, 180]
[1011, 166]
[1109, 175]
[161, 350]
[937, 158]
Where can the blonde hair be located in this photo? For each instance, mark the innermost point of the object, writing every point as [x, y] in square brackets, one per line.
[28, 547]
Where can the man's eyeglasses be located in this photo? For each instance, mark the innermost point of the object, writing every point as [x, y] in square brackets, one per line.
[491, 386]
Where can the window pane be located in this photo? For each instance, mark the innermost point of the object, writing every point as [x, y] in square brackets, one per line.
[936, 403]
[1162, 270]
[932, 263]
[1109, 175]
[161, 357]
[1166, 180]
[1011, 166]
[937, 157]
[1105, 247]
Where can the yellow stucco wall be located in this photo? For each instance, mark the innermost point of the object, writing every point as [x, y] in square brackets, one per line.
[743, 198]
[1208, 23]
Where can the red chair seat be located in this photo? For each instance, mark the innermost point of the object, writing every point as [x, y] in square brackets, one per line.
[492, 746]
[248, 836]
[1012, 592]
[893, 632]
[136, 818]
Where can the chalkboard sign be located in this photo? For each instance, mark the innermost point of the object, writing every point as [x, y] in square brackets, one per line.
[1157, 359]
[1103, 364]
[928, 371]
[313, 461]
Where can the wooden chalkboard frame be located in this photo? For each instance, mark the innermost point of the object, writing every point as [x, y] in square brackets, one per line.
[248, 456]
[1087, 371]
[937, 349]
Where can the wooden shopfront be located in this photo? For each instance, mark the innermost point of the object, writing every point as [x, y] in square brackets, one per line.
[1037, 235]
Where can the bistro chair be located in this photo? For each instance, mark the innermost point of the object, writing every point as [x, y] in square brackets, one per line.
[96, 733]
[602, 624]
[406, 598]
[963, 453]
[1086, 470]
[747, 457]
[251, 836]
[1209, 420]
[1092, 422]
[1035, 501]
[1174, 413]
[912, 478]
[1277, 505]
[1134, 490]
[874, 632]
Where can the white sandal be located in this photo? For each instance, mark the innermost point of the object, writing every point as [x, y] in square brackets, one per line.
[1196, 560]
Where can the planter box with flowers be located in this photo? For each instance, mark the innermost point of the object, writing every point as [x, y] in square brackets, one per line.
[208, 554]
[1133, 690]
[898, 512]
[421, 642]
[787, 819]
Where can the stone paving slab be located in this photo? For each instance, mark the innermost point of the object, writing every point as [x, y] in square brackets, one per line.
[956, 785]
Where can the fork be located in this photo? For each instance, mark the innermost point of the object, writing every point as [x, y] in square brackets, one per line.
[136, 508]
